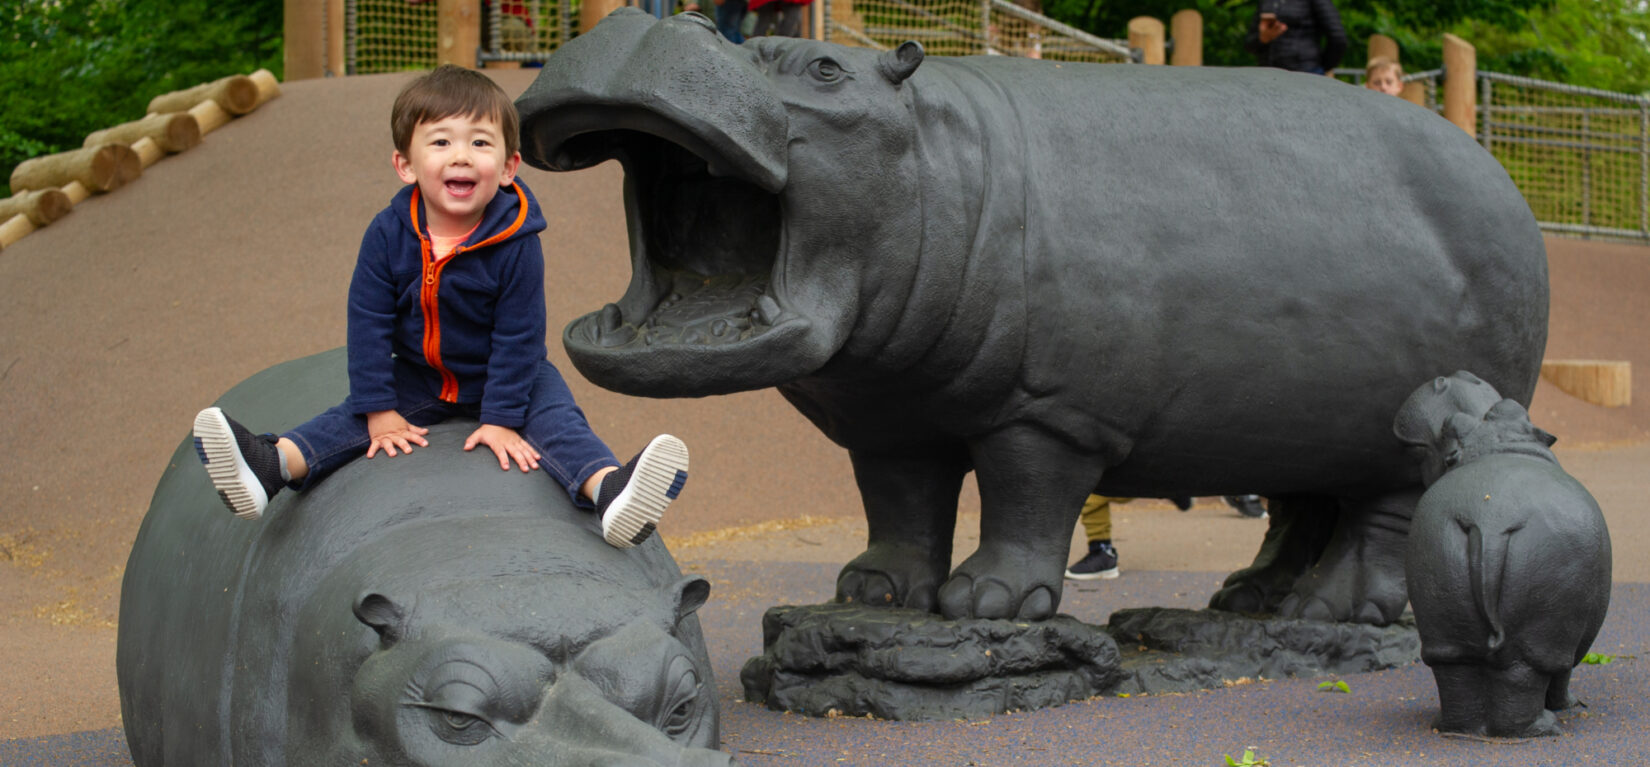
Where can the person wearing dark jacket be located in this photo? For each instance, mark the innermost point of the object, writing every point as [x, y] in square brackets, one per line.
[1297, 35]
[447, 319]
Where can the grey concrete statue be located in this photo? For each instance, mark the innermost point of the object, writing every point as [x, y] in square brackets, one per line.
[425, 609]
[1508, 563]
[1156, 281]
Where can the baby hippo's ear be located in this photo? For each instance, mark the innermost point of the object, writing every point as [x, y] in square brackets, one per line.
[1510, 412]
[898, 64]
[689, 594]
[382, 614]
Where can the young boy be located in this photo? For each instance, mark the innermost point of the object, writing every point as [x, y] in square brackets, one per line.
[447, 318]
[1384, 75]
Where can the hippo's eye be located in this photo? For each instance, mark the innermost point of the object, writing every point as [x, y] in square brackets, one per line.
[457, 727]
[826, 70]
[682, 698]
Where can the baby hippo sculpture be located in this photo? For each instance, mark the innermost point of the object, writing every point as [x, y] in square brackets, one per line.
[1508, 561]
[426, 609]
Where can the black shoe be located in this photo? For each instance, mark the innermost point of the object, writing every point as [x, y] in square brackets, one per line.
[1183, 503]
[244, 467]
[1247, 505]
[633, 497]
[1101, 562]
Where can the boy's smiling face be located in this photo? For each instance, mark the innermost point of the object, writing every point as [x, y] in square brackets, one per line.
[459, 164]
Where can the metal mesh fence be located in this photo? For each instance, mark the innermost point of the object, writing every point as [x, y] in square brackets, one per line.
[396, 35]
[1579, 155]
[964, 28]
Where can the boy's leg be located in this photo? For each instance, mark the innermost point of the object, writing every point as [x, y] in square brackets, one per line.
[632, 497]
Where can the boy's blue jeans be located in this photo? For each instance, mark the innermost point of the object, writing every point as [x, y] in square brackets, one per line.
[569, 451]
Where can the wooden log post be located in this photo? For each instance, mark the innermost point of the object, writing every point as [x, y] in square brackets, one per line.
[1608, 383]
[15, 228]
[303, 41]
[76, 192]
[1383, 46]
[458, 32]
[268, 87]
[100, 169]
[237, 94]
[42, 206]
[148, 153]
[335, 64]
[1461, 84]
[171, 132]
[1146, 35]
[209, 116]
[1186, 27]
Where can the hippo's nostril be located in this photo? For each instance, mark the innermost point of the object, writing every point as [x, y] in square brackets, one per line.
[698, 18]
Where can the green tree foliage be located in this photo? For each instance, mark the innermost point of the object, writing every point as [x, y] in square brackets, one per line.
[70, 67]
[1595, 43]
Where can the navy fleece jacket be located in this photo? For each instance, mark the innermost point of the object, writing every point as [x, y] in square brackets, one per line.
[469, 328]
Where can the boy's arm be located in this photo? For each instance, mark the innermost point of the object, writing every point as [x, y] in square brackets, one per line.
[517, 339]
[371, 326]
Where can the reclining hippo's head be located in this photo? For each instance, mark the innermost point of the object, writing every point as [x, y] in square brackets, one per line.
[581, 666]
[756, 177]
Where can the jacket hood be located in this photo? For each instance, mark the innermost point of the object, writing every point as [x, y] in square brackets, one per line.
[502, 221]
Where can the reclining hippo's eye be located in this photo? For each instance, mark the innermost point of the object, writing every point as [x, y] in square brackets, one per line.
[459, 728]
[826, 70]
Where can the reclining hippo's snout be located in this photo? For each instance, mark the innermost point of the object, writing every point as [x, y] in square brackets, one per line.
[579, 727]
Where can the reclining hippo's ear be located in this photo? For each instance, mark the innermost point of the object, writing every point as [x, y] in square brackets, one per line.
[689, 594]
[382, 614]
[898, 64]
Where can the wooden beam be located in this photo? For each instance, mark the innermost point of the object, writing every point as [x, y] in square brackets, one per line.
[303, 43]
[1186, 27]
[237, 94]
[458, 32]
[1461, 84]
[1608, 383]
[42, 206]
[1146, 34]
[172, 132]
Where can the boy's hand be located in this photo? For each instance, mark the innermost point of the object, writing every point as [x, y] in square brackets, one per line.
[389, 431]
[506, 444]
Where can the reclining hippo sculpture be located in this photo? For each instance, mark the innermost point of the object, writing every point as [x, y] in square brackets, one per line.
[1156, 281]
[1508, 561]
[426, 609]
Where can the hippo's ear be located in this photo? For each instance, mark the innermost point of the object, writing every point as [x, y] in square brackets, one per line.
[689, 594]
[898, 64]
[382, 614]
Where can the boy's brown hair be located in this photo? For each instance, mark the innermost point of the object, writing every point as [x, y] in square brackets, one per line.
[453, 90]
[1380, 63]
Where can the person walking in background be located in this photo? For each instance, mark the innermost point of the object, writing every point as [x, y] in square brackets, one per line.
[778, 17]
[730, 18]
[1297, 35]
[1384, 75]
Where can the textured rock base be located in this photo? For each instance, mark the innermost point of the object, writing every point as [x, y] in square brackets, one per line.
[853, 660]
[1178, 650]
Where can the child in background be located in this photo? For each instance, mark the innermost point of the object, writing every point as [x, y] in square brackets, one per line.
[1384, 75]
[447, 319]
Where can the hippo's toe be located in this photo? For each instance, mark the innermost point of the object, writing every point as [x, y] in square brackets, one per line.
[888, 577]
[987, 597]
[864, 587]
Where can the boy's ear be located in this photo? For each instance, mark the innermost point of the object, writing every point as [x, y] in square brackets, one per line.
[403, 167]
[511, 165]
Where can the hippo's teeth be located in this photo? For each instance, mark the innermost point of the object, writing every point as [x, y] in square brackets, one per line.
[611, 319]
[767, 310]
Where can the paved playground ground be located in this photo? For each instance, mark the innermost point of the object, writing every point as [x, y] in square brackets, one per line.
[142, 306]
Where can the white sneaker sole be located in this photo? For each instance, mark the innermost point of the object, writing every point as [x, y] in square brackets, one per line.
[1103, 575]
[236, 484]
[659, 475]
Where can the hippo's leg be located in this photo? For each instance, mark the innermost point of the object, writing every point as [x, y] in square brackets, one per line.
[1298, 529]
[1558, 692]
[1514, 703]
[1360, 577]
[911, 513]
[1031, 490]
[1461, 704]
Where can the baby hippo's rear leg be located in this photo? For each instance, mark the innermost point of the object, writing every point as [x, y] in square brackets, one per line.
[1558, 692]
[1514, 703]
[911, 513]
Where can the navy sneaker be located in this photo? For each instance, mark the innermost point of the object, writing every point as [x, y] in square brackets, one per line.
[244, 467]
[1183, 502]
[1101, 562]
[633, 497]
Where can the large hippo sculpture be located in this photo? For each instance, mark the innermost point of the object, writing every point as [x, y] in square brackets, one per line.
[1155, 281]
[422, 610]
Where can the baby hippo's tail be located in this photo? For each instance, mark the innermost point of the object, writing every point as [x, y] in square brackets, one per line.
[1486, 563]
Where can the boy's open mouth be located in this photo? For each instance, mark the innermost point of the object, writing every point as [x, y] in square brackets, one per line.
[460, 187]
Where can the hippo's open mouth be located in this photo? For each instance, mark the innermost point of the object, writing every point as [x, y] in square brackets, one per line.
[703, 247]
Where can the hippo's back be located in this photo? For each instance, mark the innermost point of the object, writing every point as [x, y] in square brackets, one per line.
[1248, 270]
